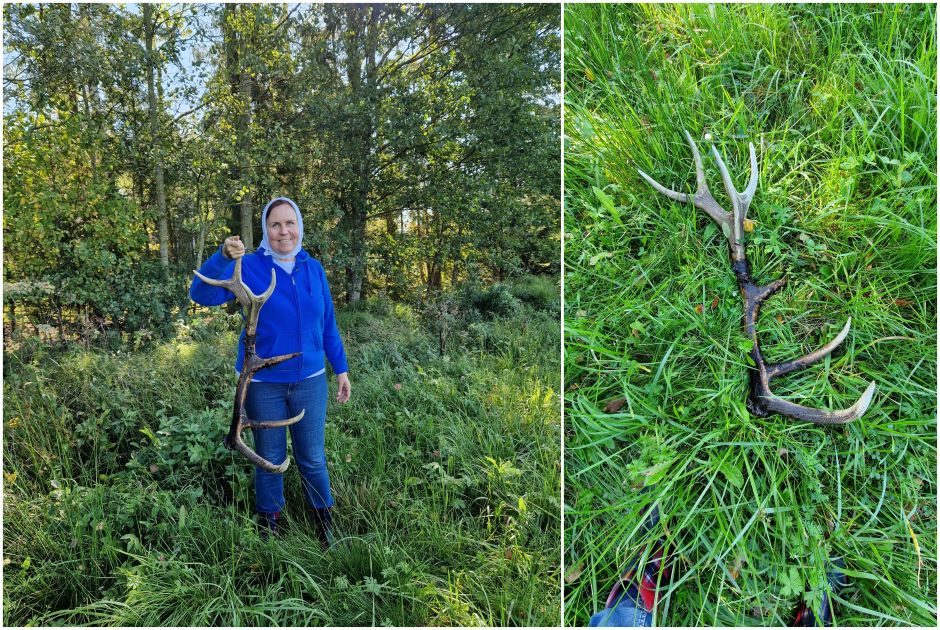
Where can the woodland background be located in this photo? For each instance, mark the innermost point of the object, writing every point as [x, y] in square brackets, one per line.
[421, 143]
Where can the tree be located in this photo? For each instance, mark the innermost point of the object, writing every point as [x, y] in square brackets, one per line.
[151, 65]
[411, 116]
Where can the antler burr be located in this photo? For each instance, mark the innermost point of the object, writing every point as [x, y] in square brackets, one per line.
[761, 401]
[251, 304]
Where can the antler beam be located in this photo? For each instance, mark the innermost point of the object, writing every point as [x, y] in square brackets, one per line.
[761, 401]
[251, 304]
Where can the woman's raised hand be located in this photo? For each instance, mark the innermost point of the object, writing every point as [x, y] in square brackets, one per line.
[233, 247]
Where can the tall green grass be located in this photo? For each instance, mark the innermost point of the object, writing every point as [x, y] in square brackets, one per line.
[840, 101]
[121, 507]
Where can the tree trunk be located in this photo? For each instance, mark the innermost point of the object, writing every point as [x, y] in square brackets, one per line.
[239, 79]
[12, 318]
[355, 271]
[361, 44]
[163, 227]
[90, 94]
[434, 275]
[203, 228]
[244, 146]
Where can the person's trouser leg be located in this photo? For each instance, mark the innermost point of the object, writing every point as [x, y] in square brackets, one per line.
[626, 613]
[308, 437]
[268, 401]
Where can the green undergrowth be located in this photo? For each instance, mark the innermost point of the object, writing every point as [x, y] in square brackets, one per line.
[121, 506]
[840, 102]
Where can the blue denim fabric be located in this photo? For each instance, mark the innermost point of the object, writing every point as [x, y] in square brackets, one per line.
[626, 613]
[279, 401]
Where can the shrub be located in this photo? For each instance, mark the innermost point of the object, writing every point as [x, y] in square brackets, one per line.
[539, 292]
[488, 302]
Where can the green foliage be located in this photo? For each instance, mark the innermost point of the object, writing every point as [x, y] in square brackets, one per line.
[840, 101]
[66, 229]
[401, 140]
[471, 312]
[487, 302]
[122, 507]
[539, 292]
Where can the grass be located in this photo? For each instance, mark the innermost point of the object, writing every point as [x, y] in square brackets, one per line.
[840, 101]
[122, 508]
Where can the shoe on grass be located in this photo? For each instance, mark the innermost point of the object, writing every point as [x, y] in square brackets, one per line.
[642, 584]
[805, 617]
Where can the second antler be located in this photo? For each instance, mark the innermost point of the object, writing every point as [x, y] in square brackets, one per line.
[251, 304]
[761, 401]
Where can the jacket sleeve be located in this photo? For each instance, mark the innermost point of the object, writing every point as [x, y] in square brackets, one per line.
[217, 267]
[332, 342]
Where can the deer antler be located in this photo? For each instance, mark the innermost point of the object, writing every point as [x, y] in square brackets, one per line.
[252, 304]
[761, 401]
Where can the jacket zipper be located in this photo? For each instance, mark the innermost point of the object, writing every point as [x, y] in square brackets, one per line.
[293, 280]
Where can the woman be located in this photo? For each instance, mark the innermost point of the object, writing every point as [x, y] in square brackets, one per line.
[297, 317]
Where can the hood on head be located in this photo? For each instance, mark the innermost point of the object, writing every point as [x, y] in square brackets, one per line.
[264, 230]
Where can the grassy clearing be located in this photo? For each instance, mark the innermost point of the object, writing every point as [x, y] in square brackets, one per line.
[445, 468]
[840, 101]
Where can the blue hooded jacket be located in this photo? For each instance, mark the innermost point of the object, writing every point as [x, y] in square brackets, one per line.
[297, 317]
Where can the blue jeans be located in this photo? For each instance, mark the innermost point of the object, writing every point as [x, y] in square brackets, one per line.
[279, 401]
[626, 613]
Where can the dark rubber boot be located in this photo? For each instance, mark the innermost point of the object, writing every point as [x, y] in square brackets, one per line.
[323, 522]
[271, 524]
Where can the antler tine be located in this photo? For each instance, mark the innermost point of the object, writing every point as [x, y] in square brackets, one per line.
[237, 444]
[271, 424]
[738, 210]
[233, 284]
[702, 199]
[699, 167]
[748, 193]
[779, 369]
[264, 296]
[672, 194]
[819, 416]
[725, 175]
[234, 440]
[255, 302]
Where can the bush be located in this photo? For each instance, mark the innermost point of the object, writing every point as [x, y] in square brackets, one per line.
[130, 296]
[539, 292]
[465, 311]
[488, 302]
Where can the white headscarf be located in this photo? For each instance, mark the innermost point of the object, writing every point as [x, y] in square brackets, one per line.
[264, 229]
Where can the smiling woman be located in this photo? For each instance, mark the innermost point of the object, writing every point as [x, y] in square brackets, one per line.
[298, 323]
[282, 229]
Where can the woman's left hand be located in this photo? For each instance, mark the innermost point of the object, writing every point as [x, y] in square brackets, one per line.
[343, 387]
